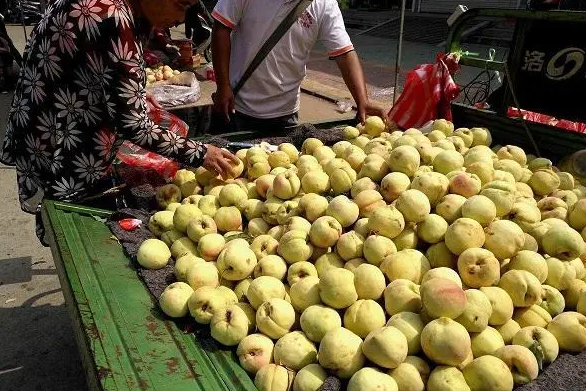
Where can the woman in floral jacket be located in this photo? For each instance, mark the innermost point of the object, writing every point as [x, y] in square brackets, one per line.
[81, 93]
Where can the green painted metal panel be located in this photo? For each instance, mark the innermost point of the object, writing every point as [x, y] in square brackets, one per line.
[125, 341]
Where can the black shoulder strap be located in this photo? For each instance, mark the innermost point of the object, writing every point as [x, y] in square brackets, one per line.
[270, 43]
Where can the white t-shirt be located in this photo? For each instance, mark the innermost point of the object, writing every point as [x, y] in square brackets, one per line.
[273, 89]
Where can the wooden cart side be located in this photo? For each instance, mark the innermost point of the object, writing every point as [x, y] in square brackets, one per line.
[125, 341]
[90, 358]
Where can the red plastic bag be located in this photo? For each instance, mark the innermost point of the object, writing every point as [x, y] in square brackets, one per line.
[141, 159]
[429, 91]
[545, 119]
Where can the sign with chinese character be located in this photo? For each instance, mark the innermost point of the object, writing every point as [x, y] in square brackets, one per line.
[551, 75]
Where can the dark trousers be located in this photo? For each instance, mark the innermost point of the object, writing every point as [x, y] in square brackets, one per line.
[269, 126]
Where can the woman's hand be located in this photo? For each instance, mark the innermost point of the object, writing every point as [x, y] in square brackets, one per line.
[150, 98]
[370, 109]
[218, 160]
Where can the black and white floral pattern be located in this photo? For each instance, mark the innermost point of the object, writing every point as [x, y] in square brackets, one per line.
[81, 93]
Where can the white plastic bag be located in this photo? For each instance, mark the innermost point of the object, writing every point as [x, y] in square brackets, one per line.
[180, 90]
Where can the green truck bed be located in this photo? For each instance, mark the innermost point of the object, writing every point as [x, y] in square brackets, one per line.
[124, 340]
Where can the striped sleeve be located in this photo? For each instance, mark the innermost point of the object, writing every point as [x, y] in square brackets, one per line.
[332, 31]
[228, 12]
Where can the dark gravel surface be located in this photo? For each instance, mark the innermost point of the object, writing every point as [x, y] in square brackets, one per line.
[155, 280]
[567, 373]
[295, 137]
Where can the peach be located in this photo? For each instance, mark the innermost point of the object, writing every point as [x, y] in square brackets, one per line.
[488, 373]
[386, 347]
[464, 234]
[386, 221]
[408, 264]
[502, 193]
[377, 247]
[402, 295]
[540, 339]
[445, 378]
[374, 167]
[465, 184]
[393, 184]
[510, 166]
[560, 274]
[532, 316]
[504, 239]
[544, 181]
[572, 293]
[411, 325]
[411, 374]
[476, 312]
[369, 282]
[364, 316]
[433, 184]
[432, 228]
[486, 342]
[479, 208]
[552, 300]
[336, 288]
[569, 328]
[563, 243]
[508, 330]
[483, 170]
[371, 378]
[530, 261]
[450, 207]
[367, 201]
[447, 161]
[445, 341]
[405, 159]
[313, 206]
[344, 210]
[442, 298]
[413, 205]
[502, 305]
[439, 255]
[478, 267]
[305, 293]
[340, 352]
[325, 232]
[523, 287]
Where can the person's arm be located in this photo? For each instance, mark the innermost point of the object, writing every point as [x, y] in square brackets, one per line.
[221, 46]
[227, 15]
[337, 41]
[353, 75]
[127, 103]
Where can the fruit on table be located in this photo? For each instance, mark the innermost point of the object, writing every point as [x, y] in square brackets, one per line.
[254, 352]
[173, 300]
[402, 248]
[153, 254]
[445, 341]
[488, 373]
[163, 72]
[340, 352]
[386, 347]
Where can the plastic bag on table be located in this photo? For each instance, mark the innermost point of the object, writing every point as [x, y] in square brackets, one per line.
[181, 89]
[142, 160]
[428, 93]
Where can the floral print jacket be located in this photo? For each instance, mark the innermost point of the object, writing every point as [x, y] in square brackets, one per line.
[80, 94]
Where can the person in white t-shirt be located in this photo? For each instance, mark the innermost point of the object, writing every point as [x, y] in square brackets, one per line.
[269, 100]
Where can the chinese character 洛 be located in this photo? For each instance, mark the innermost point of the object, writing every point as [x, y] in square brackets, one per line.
[533, 61]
